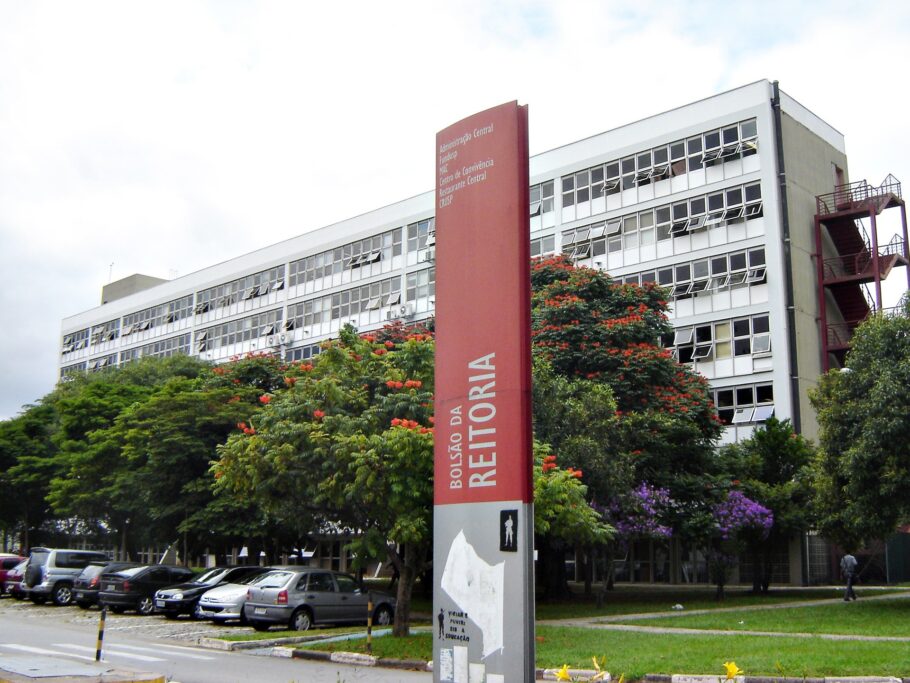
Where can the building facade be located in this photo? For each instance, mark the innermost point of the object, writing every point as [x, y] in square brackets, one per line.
[715, 200]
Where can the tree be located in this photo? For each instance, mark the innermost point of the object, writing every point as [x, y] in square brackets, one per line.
[27, 467]
[862, 472]
[588, 328]
[350, 444]
[771, 467]
[91, 475]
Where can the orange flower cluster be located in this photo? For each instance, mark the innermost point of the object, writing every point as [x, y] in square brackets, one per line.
[411, 424]
[318, 414]
[265, 399]
[549, 463]
[242, 426]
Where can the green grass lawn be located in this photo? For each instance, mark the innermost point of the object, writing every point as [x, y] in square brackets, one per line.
[889, 617]
[635, 600]
[637, 654]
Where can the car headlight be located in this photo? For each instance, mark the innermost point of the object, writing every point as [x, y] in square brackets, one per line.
[177, 596]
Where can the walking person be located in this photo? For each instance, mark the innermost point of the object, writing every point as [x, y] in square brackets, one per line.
[848, 565]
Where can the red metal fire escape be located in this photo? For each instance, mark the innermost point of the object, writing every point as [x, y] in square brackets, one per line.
[849, 259]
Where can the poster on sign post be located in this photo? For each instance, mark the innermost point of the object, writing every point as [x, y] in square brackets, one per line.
[483, 520]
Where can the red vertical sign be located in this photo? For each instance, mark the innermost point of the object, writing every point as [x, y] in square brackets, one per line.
[483, 439]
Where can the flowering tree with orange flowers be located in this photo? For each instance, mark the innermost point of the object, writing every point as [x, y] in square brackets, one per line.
[349, 443]
[588, 329]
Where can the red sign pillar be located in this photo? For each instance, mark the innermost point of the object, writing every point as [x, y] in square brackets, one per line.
[483, 513]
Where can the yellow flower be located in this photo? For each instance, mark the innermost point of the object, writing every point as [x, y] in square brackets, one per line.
[563, 673]
[732, 670]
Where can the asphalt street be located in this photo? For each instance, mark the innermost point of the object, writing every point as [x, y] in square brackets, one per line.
[157, 645]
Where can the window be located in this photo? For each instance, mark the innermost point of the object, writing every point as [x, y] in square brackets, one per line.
[541, 196]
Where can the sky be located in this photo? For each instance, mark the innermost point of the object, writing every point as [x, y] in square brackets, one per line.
[163, 137]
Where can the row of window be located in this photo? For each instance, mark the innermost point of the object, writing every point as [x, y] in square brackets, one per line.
[105, 331]
[235, 331]
[103, 362]
[303, 352]
[716, 273]
[542, 198]
[734, 204]
[543, 246]
[372, 297]
[352, 257]
[745, 336]
[659, 163]
[159, 349]
[155, 316]
[241, 289]
[742, 404]
[75, 340]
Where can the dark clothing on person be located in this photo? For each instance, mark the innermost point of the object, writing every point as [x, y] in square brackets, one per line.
[848, 565]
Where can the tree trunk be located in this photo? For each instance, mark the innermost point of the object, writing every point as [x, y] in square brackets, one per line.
[589, 568]
[409, 569]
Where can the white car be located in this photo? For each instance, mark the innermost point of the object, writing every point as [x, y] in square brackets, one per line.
[225, 602]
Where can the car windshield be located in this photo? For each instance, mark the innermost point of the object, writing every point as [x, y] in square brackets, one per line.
[272, 579]
[212, 576]
[20, 567]
[252, 578]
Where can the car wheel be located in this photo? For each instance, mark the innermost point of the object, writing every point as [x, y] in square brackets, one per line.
[382, 616]
[301, 620]
[38, 599]
[260, 625]
[146, 606]
[84, 605]
[62, 595]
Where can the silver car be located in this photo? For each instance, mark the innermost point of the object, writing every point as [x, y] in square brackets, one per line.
[299, 598]
[225, 602]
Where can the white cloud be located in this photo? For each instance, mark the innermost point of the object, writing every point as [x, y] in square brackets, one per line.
[171, 135]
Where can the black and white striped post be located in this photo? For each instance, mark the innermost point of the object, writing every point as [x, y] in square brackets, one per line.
[100, 633]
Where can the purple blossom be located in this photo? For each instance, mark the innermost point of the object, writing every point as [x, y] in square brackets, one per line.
[737, 512]
[639, 515]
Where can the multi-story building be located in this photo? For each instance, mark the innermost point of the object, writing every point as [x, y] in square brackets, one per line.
[715, 200]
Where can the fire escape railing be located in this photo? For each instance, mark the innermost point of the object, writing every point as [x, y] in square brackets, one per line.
[848, 265]
[852, 194]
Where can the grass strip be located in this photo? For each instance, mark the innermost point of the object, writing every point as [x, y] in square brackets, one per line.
[637, 654]
[888, 617]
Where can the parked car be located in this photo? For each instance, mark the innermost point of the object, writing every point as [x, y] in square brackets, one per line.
[134, 588]
[14, 581]
[51, 572]
[225, 602]
[184, 598]
[299, 598]
[7, 562]
[87, 585]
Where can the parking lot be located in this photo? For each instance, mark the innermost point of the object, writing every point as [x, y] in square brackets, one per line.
[184, 629]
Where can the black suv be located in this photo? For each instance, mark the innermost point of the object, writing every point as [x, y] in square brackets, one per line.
[51, 572]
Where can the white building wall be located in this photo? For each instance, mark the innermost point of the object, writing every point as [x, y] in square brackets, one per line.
[762, 302]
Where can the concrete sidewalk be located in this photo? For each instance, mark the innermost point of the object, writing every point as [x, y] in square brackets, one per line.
[28, 668]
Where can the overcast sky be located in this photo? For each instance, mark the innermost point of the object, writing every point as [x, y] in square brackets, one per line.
[162, 137]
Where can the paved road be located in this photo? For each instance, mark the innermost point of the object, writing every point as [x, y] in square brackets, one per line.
[161, 646]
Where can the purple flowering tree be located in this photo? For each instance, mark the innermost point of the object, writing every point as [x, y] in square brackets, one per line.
[733, 518]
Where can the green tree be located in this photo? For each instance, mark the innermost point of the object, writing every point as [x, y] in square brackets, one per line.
[27, 466]
[589, 328]
[771, 468]
[90, 480]
[862, 472]
[350, 443]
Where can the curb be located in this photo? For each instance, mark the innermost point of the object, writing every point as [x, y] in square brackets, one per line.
[551, 674]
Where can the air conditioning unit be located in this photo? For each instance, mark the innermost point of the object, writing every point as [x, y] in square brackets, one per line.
[284, 338]
[430, 255]
[270, 340]
[406, 310]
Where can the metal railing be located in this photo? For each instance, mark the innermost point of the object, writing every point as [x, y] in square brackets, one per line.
[861, 263]
[853, 194]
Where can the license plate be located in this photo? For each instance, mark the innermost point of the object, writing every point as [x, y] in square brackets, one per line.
[259, 610]
[110, 587]
[159, 603]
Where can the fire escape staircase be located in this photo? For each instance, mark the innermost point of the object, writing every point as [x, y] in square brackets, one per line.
[849, 259]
